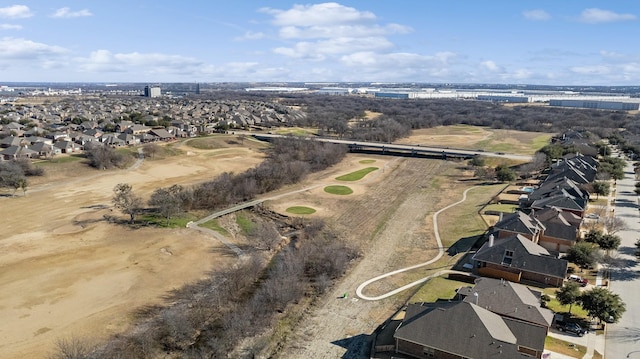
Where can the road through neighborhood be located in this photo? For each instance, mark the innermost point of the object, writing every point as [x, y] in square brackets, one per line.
[623, 338]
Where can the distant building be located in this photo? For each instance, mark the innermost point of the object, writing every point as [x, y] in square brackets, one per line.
[152, 91]
[599, 105]
[197, 88]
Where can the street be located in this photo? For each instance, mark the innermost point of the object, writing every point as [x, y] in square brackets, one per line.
[623, 338]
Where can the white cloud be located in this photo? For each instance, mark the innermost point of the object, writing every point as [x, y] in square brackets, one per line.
[310, 32]
[489, 65]
[17, 48]
[15, 12]
[250, 35]
[537, 15]
[319, 50]
[105, 61]
[325, 14]
[610, 54]
[591, 70]
[595, 16]
[10, 27]
[66, 13]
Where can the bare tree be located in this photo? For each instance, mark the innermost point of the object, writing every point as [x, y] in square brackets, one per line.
[168, 201]
[72, 348]
[614, 224]
[126, 201]
[150, 149]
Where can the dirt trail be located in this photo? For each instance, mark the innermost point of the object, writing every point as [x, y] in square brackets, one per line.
[391, 218]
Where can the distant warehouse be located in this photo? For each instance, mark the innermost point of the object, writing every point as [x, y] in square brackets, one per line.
[598, 105]
[498, 98]
[402, 95]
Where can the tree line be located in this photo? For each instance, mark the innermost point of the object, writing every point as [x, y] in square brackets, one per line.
[210, 318]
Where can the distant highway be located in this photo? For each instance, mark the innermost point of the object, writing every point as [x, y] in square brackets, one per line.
[391, 148]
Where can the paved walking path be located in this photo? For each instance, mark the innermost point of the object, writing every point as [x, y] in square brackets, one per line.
[422, 280]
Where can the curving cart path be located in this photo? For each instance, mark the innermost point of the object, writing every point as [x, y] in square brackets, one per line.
[422, 280]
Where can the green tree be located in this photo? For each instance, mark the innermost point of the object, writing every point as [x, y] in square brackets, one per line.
[602, 304]
[552, 152]
[504, 173]
[601, 188]
[593, 236]
[582, 254]
[608, 242]
[477, 161]
[569, 294]
[126, 201]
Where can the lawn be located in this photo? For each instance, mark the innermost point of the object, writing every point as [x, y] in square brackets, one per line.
[244, 222]
[357, 175]
[300, 210]
[564, 347]
[437, 288]
[214, 225]
[339, 190]
[366, 162]
[60, 159]
[463, 221]
[507, 208]
[156, 220]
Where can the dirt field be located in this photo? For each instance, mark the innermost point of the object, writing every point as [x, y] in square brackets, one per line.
[65, 272]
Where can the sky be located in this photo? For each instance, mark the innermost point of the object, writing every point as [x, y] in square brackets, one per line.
[543, 42]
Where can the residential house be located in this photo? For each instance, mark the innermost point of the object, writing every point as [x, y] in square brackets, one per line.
[66, 146]
[518, 223]
[137, 129]
[561, 228]
[162, 134]
[17, 152]
[577, 206]
[508, 299]
[458, 330]
[128, 139]
[12, 141]
[516, 258]
[43, 149]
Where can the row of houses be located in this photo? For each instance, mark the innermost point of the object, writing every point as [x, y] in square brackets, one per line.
[55, 143]
[527, 245]
[499, 317]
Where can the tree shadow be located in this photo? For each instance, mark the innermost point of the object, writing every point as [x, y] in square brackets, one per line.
[623, 274]
[624, 335]
[358, 346]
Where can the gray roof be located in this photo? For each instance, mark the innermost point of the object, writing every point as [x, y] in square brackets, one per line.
[561, 202]
[527, 256]
[508, 299]
[461, 328]
[519, 222]
[530, 336]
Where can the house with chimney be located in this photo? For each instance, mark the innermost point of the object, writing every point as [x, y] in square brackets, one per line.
[517, 258]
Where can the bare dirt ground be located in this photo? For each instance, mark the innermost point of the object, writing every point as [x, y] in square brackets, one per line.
[66, 272]
[389, 214]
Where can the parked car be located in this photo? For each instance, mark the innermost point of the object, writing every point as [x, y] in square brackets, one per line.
[576, 278]
[574, 328]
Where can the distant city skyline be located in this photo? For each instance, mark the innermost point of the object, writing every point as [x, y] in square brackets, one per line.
[503, 42]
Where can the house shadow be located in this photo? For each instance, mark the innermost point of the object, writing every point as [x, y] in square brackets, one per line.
[463, 245]
[358, 347]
